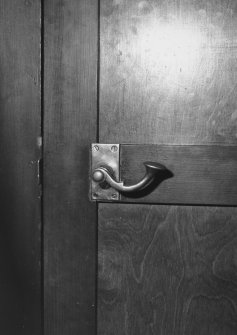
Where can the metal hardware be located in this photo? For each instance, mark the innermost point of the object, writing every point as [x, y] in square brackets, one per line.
[104, 155]
[102, 174]
[105, 180]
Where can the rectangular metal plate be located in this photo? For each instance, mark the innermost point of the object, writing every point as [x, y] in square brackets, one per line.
[104, 155]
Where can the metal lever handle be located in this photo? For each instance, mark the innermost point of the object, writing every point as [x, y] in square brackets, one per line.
[103, 174]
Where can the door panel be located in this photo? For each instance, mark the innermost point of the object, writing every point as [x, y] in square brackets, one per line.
[168, 72]
[167, 270]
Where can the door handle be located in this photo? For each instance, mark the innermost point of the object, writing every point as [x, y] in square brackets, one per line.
[103, 174]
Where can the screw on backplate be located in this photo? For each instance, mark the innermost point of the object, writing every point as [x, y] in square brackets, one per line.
[114, 148]
[96, 147]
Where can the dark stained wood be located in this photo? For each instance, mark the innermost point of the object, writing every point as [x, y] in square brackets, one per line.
[168, 76]
[201, 174]
[168, 72]
[20, 228]
[167, 270]
[69, 128]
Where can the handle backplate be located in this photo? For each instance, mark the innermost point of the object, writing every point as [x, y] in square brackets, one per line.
[104, 155]
[105, 175]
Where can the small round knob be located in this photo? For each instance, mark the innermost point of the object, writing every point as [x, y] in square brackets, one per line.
[98, 176]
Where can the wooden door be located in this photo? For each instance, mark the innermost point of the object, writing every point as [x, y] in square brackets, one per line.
[161, 77]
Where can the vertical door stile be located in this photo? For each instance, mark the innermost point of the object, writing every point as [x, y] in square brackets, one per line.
[71, 47]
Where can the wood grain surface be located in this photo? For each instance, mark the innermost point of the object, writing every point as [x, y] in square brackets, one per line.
[167, 270]
[168, 76]
[168, 72]
[20, 228]
[200, 174]
[69, 128]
